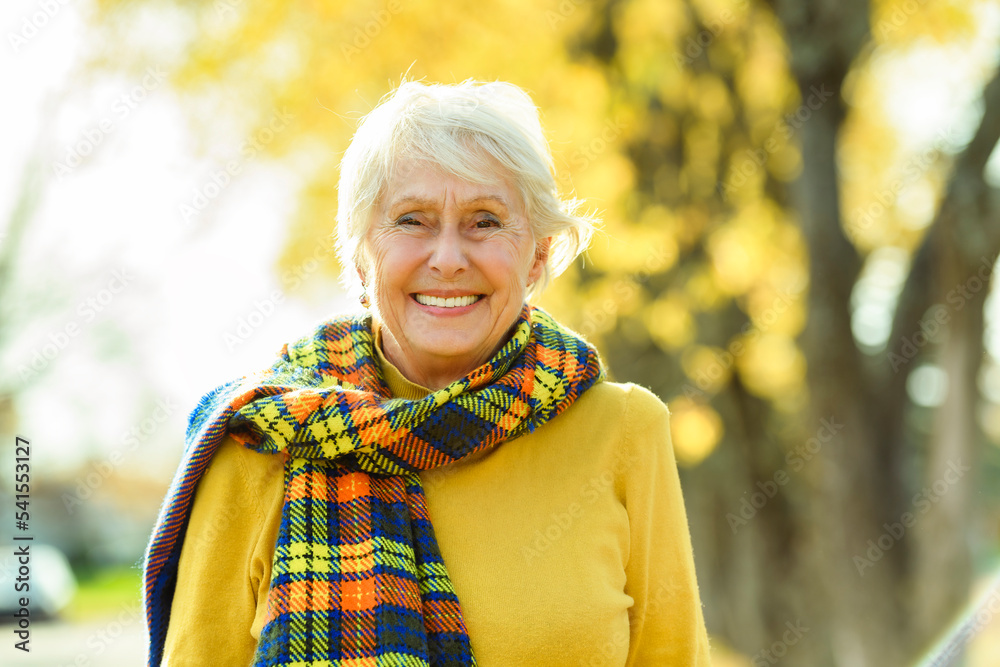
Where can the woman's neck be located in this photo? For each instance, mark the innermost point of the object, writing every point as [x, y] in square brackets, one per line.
[427, 376]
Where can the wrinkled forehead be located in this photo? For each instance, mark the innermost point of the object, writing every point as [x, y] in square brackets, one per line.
[415, 176]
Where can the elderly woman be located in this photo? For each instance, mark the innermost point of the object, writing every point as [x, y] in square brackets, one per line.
[446, 479]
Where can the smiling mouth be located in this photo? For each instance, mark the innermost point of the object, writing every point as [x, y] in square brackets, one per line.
[447, 302]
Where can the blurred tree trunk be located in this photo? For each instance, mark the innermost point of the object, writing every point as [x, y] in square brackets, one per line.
[858, 485]
[827, 553]
[960, 251]
[888, 595]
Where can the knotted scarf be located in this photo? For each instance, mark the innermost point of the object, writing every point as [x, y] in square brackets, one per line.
[357, 578]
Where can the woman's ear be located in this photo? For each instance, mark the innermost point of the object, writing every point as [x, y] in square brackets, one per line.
[541, 257]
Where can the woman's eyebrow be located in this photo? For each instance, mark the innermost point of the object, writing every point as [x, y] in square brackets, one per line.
[426, 202]
[498, 199]
[413, 200]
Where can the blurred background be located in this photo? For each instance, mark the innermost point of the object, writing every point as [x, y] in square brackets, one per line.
[801, 206]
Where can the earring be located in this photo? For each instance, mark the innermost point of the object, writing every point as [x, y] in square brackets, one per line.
[365, 302]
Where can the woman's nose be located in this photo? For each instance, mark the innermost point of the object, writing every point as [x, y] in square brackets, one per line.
[448, 256]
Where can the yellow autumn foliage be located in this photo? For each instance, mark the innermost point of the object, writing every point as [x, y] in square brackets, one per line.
[671, 118]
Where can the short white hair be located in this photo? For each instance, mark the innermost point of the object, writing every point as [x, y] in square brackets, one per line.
[444, 125]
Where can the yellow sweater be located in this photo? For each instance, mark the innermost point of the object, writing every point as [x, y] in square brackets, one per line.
[567, 546]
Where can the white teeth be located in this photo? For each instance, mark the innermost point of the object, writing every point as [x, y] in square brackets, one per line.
[450, 302]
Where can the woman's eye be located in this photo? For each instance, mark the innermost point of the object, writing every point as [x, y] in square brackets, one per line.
[407, 220]
[487, 222]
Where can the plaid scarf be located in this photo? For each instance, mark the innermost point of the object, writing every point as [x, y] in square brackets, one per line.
[357, 577]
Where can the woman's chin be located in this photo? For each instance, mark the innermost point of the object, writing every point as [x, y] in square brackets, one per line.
[450, 350]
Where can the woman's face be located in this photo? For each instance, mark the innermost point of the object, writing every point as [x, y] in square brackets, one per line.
[449, 263]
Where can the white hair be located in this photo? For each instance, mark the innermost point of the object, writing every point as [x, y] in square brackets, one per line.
[457, 128]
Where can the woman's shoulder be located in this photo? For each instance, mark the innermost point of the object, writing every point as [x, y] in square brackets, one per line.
[624, 398]
[239, 474]
[631, 417]
[618, 420]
